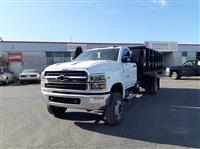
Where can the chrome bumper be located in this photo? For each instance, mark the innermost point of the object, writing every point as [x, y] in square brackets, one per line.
[89, 102]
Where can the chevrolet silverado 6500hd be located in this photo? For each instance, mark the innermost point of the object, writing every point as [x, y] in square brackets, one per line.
[101, 79]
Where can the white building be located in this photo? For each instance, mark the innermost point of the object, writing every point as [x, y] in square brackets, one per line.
[25, 55]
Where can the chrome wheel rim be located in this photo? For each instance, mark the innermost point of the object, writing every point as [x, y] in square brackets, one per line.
[174, 75]
[118, 109]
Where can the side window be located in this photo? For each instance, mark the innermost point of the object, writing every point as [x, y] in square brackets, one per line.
[126, 53]
[188, 64]
[126, 56]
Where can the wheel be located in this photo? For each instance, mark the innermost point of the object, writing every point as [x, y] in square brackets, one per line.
[56, 111]
[114, 110]
[174, 75]
[6, 81]
[153, 87]
[21, 82]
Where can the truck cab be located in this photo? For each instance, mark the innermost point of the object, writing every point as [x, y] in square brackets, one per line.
[189, 68]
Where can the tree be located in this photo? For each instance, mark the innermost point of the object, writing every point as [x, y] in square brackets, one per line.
[78, 51]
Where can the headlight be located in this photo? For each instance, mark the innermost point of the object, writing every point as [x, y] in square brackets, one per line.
[97, 78]
[43, 82]
[97, 81]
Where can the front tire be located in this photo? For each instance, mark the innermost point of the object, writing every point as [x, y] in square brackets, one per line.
[114, 111]
[174, 75]
[56, 111]
[6, 81]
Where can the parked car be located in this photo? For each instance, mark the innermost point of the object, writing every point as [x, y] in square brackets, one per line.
[189, 68]
[29, 75]
[6, 76]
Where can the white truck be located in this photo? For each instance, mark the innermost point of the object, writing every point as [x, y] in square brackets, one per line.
[99, 79]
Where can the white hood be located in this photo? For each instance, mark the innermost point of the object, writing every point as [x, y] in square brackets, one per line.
[81, 65]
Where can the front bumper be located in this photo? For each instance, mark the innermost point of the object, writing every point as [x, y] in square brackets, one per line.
[89, 102]
[29, 79]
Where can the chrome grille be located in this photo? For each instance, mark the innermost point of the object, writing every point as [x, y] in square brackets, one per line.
[74, 80]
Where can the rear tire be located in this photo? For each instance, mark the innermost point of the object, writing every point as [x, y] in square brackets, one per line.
[114, 110]
[21, 82]
[174, 75]
[56, 111]
[153, 87]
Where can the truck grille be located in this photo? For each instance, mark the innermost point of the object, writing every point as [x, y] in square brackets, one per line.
[66, 73]
[66, 86]
[74, 80]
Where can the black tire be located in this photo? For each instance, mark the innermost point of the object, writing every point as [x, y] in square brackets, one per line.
[56, 111]
[153, 87]
[21, 82]
[174, 75]
[6, 82]
[114, 110]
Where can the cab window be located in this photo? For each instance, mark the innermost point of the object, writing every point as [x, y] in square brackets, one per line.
[189, 63]
[126, 53]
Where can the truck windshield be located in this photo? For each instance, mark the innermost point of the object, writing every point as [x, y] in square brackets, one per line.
[101, 54]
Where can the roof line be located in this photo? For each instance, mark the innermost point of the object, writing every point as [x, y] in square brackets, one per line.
[67, 42]
[50, 42]
[189, 44]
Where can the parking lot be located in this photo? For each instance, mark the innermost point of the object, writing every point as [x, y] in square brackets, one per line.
[170, 119]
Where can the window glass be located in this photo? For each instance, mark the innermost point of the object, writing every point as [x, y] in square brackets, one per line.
[49, 61]
[188, 63]
[58, 54]
[126, 53]
[30, 71]
[198, 55]
[57, 57]
[49, 54]
[99, 54]
[184, 53]
[67, 54]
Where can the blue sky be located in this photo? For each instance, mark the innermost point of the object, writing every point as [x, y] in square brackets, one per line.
[101, 21]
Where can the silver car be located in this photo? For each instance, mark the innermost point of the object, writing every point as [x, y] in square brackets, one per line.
[29, 75]
[6, 76]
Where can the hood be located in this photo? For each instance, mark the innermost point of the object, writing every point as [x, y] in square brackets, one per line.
[81, 65]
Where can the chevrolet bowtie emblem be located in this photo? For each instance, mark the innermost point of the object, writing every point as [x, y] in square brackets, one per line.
[62, 77]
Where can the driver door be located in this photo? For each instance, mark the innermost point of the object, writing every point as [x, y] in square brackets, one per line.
[130, 69]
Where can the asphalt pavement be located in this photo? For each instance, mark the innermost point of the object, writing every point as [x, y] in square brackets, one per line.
[170, 119]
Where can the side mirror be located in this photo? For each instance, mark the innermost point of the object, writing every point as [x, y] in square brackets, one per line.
[126, 59]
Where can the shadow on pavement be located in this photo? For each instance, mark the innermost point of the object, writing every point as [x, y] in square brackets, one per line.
[17, 83]
[171, 117]
[80, 116]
